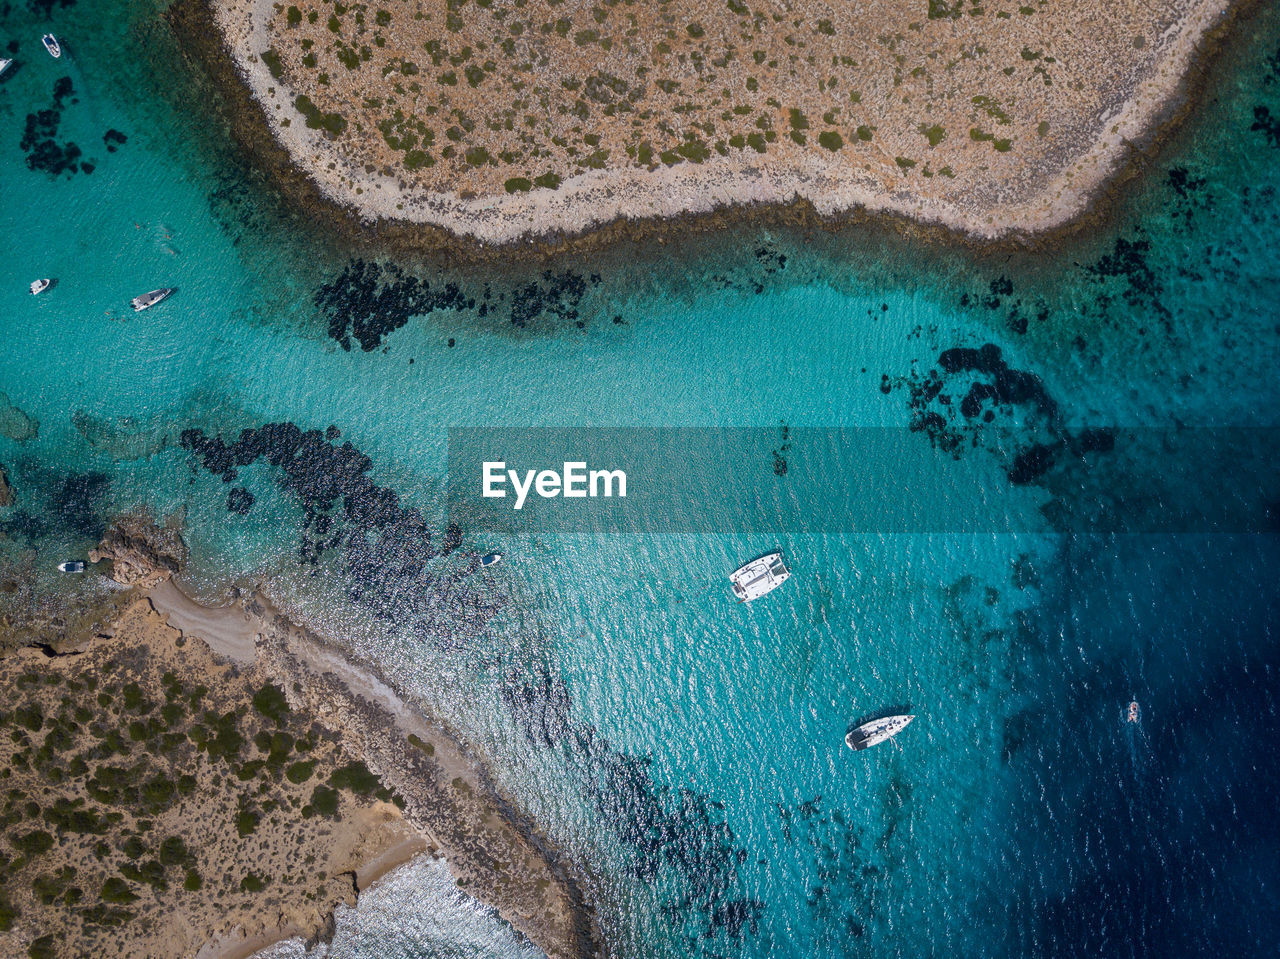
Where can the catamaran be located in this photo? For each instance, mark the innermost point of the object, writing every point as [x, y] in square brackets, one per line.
[876, 731]
[147, 300]
[752, 580]
[51, 44]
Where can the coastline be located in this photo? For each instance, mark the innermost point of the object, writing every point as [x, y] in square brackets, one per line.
[449, 797]
[699, 200]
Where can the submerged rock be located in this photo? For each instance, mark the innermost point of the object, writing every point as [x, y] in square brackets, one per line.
[15, 424]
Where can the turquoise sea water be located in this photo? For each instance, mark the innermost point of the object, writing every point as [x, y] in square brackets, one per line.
[686, 748]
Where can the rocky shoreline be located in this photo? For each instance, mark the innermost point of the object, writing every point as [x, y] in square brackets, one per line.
[598, 209]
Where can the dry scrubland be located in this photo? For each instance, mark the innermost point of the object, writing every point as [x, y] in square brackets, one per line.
[153, 798]
[475, 114]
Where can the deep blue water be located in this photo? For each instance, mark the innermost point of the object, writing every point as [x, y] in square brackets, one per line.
[685, 747]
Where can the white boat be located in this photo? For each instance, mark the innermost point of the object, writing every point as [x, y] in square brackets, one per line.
[752, 580]
[147, 300]
[1134, 713]
[51, 44]
[4, 64]
[39, 286]
[71, 566]
[875, 732]
[490, 559]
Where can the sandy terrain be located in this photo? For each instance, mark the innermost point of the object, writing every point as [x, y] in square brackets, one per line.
[501, 122]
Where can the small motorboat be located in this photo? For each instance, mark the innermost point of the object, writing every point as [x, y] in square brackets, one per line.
[39, 286]
[877, 731]
[51, 44]
[490, 559]
[758, 577]
[4, 64]
[71, 566]
[148, 300]
[1134, 713]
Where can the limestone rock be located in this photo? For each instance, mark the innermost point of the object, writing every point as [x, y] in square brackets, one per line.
[141, 553]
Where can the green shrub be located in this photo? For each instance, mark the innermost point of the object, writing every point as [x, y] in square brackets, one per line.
[247, 822]
[517, 184]
[934, 134]
[324, 800]
[865, 133]
[417, 159]
[293, 16]
[252, 883]
[830, 140]
[333, 123]
[270, 701]
[117, 892]
[173, 851]
[35, 843]
[274, 66]
[300, 772]
[192, 882]
[42, 948]
[30, 716]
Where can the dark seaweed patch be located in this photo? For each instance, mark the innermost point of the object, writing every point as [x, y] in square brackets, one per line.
[44, 8]
[114, 139]
[1127, 261]
[678, 832]
[999, 296]
[554, 295]
[388, 559]
[75, 503]
[841, 873]
[369, 301]
[994, 394]
[39, 138]
[1267, 125]
[239, 500]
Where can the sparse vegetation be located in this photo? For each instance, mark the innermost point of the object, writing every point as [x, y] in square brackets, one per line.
[127, 770]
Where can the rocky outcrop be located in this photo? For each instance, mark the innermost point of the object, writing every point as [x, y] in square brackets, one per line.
[6, 491]
[141, 553]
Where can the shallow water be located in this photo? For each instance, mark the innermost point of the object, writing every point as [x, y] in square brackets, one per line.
[685, 747]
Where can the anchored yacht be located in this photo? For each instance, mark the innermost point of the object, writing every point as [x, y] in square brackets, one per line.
[4, 64]
[876, 731]
[760, 576]
[147, 300]
[490, 559]
[51, 44]
[39, 286]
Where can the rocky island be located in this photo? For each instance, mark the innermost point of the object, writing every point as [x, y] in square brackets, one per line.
[504, 121]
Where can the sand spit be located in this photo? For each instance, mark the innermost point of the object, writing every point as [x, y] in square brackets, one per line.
[493, 852]
[996, 123]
